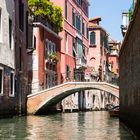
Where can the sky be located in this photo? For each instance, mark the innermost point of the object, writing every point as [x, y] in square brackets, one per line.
[111, 13]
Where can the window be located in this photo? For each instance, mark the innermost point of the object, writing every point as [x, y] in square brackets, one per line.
[74, 47]
[34, 42]
[79, 2]
[21, 15]
[0, 25]
[47, 49]
[54, 47]
[73, 17]
[83, 28]
[10, 33]
[67, 72]
[20, 56]
[51, 47]
[66, 43]
[101, 39]
[78, 22]
[105, 42]
[12, 84]
[1, 81]
[27, 14]
[66, 10]
[92, 38]
[85, 7]
[15, 85]
[79, 48]
[87, 32]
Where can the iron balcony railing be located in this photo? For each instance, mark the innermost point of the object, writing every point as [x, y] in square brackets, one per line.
[44, 21]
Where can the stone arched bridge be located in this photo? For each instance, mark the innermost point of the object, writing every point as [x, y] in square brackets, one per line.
[40, 101]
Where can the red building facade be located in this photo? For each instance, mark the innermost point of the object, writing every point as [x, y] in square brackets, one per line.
[44, 58]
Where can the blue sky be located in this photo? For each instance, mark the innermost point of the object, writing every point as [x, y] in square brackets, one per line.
[111, 14]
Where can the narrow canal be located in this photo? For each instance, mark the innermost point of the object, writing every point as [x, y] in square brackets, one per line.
[71, 126]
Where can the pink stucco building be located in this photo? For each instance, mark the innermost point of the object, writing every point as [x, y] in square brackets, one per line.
[98, 49]
[97, 65]
[74, 44]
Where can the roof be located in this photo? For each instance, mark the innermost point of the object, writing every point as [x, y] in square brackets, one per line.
[95, 19]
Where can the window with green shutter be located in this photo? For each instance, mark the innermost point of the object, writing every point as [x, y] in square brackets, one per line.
[92, 38]
[105, 41]
[74, 47]
[73, 18]
[101, 39]
[83, 28]
[87, 32]
[79, 47]
[78, 23]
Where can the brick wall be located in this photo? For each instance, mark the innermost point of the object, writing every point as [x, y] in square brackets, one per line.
[130, 75]
[8, 104]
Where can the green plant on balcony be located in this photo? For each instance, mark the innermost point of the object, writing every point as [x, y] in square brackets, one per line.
[130, 14]
[131, 10]
[53, 57]
[47, 10]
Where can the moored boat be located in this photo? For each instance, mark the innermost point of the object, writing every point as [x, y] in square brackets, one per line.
[114, 112]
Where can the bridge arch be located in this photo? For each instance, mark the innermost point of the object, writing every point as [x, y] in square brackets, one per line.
[40, 101]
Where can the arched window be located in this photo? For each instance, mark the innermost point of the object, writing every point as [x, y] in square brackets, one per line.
[92, 38]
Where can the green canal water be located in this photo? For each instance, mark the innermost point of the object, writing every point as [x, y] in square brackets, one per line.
[66, 126]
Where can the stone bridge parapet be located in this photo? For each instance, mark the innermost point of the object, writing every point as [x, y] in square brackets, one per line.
[43, 99]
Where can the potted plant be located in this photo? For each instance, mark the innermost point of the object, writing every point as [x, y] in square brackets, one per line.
[53, 57]
[50, 56]
[46, 10]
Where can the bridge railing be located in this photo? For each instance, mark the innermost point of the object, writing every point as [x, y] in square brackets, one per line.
[65, 77]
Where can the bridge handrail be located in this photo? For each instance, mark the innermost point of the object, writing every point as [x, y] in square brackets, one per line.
[65, 78]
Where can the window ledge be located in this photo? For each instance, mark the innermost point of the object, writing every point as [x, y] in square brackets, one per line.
[92, 45]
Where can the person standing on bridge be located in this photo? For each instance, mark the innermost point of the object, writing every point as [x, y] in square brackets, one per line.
[99, 77]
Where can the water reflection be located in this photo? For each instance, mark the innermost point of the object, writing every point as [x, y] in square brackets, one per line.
[72, 126]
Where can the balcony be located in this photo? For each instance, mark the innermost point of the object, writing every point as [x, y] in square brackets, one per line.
[38, 19]
[81, 62]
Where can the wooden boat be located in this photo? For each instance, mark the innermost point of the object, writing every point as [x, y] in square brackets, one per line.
[108, 106]
[114, 112]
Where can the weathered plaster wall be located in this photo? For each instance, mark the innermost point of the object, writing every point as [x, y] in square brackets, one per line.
[7, 53]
